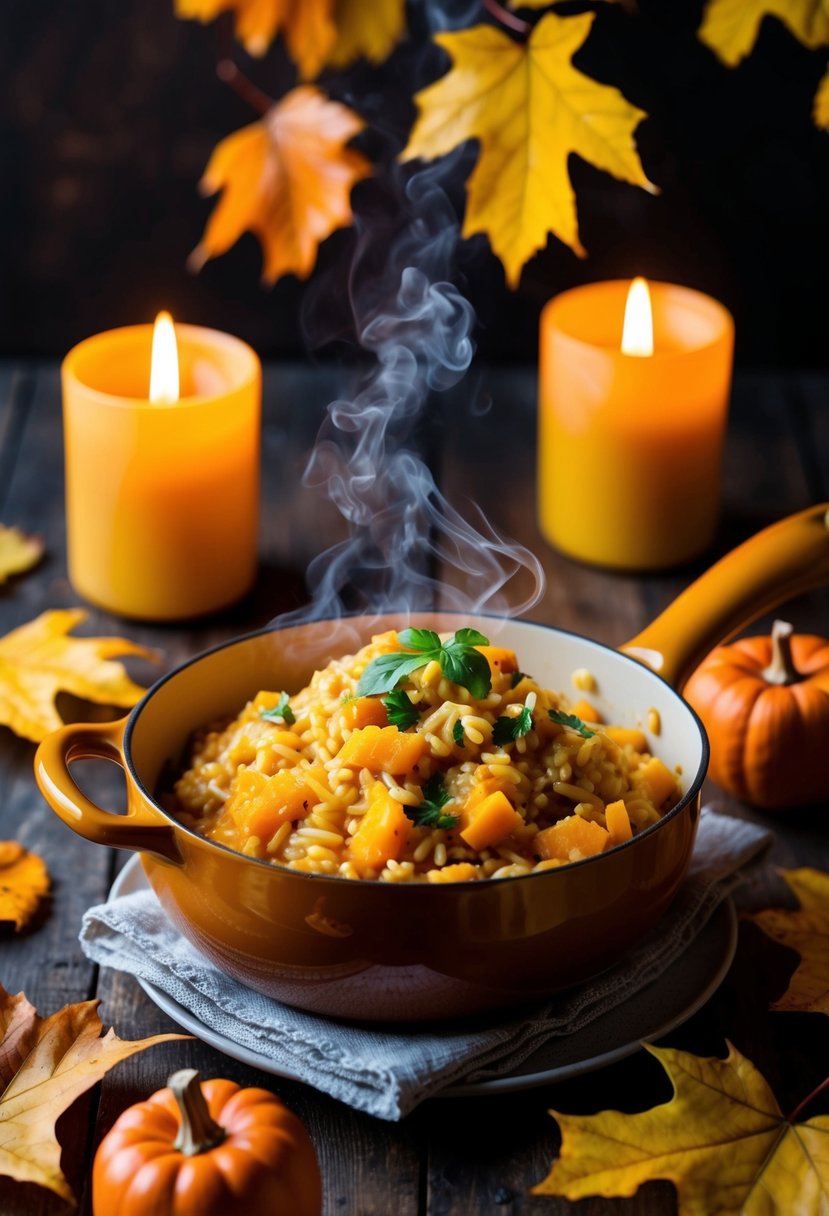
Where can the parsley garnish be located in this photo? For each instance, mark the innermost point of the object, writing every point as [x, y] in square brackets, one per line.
[401, 712]
[517, 677]
[459, 661]
[281, 712]
[458, 736]
[572, 721]
[507, 729]
[428, 814]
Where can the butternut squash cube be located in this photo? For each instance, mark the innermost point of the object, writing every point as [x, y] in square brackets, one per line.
[571, 839]
[499, 659]
[618, 822]
[628, 736]
[587, 712]
[383, 749]
[382, 832]
[658, 782]
[260, 805]
[489, 821]
[364, 711]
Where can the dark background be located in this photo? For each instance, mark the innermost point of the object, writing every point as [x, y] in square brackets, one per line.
[111, 109]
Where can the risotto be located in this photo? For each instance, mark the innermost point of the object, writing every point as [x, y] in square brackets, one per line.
[422, 758]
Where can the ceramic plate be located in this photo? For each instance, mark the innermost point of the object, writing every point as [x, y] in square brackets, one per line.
[672, 999]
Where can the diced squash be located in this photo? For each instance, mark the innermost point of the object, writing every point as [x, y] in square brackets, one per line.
[260, 805]
[482, 790]
[587, 712]
[382, 832]
[658, 782]
[266, 700]
[489, 821]
[462, 871]
[628, 736]
[364, 711]
[571, 839]
[618, 822]
[383, 749]
[499, 658]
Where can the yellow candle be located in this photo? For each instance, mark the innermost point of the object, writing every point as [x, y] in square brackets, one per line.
[162, 495]
[630, 442]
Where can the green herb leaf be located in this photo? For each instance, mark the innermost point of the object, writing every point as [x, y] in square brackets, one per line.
[400, 710]
[429, 813]
[506, 730]
[517, 677]
[572, 721]
[459, 661]
[281, 712]
[458, 735]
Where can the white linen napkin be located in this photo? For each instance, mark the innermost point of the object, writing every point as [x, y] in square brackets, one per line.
[387, 1071]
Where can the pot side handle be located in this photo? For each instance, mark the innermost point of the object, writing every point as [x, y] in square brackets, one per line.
[139, 829]
[785, 560]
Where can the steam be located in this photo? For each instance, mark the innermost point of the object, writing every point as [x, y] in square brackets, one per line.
[402, 531]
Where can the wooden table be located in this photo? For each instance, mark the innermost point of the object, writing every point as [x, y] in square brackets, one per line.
[466, 1156]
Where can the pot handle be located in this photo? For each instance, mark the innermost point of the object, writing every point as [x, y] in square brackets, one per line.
[785, 560]
[141, 828]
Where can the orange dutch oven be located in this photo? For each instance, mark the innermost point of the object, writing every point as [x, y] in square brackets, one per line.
[371, 950]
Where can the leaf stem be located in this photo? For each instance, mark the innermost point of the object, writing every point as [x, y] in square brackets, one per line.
[807, 1101]
[505, 17]
[231, 74]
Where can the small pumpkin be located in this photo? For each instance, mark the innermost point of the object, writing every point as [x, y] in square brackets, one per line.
[206, 1150]
[764, 702]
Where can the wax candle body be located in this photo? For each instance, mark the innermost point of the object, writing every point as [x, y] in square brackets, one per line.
[630, 446]
[162, 500]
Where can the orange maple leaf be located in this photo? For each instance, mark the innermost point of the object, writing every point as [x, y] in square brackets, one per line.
[529, 109]
[288, 179]
[45, 1064]
[38, 660]
[306, 25]
[24, 880]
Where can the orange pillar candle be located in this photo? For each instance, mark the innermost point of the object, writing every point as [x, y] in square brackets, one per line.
[162, 496]
[630, 444]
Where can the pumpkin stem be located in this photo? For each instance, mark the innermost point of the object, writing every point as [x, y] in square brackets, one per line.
[781, 669]
[198, 1131]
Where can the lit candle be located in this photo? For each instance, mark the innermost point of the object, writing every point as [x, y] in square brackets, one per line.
[162, 469]
[633, 398]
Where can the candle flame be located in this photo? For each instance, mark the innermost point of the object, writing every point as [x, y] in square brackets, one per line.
[164, 382]
[637, 332]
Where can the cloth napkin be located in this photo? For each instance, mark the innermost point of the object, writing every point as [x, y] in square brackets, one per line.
[387, 1071]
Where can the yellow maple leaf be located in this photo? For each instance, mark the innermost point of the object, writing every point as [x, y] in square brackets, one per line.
[38, 660]
[820, 112]
[45, 1064]
[805, 930]
[366, 31]
[18, 552]
[24, 880]
[730, 27]
[529, 108]
[288, 179]
[721, 1140]
[306, 25]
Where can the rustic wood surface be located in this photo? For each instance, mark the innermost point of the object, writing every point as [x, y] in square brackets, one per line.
[450, 1158]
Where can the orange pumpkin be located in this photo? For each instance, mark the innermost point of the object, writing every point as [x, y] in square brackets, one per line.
[206, 1150]
[764, 702]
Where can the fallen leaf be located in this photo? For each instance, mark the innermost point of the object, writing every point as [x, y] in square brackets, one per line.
[820, 112]
[730, 27]
[288, 179]
[38, 660]
[24, 880]
[805, 930]
[721, 1140]
[366, 31]
[530, 109]
[45, 1064]
[306, 25]
[18, 552]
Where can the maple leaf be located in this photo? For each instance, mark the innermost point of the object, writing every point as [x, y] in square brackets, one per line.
[721, 1140]
[306, 25]
[730, 27]
[24, 880]
[529, 108]
[18, 552]
[38, 660]
[366, 31]
[820, 111]
[45, 1064]
[288, 179]
[805, 930]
